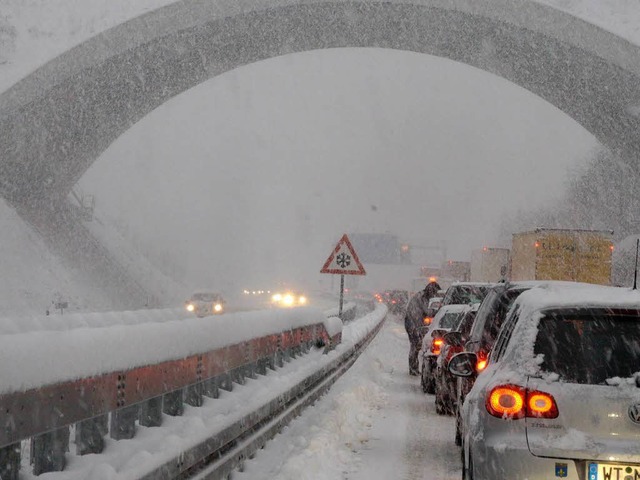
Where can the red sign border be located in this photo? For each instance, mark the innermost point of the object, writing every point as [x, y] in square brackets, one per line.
[344, 240]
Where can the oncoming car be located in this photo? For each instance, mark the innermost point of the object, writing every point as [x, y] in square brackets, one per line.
[205, 303]
[560, 397]
[288, 299]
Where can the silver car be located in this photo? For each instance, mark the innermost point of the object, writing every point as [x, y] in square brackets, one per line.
[560, 397]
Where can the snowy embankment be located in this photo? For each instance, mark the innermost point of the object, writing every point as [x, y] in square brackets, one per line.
[154, 446]
[95, 344]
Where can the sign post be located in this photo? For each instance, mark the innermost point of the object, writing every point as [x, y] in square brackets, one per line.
[343, 261]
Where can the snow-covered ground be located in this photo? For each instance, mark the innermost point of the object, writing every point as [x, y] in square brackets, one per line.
[374, 424]
[32, 277]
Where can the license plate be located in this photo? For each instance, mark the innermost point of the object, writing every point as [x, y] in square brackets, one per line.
[612, 471]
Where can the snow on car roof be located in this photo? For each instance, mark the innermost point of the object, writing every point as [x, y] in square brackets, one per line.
[568, 294]
[559, 295]
[452, 308]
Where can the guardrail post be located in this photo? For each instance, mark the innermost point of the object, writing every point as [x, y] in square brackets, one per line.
[238, 375]
[279, 359]
[211, 387]
[250, 370]
[172, 403]
[226, 382]
[10, 462]
[48, 451]
[89, 436]
[193, 395]
[261, 366]
[123, 423]
[151, 412]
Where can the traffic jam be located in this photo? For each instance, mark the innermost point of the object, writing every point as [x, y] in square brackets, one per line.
[536, 358]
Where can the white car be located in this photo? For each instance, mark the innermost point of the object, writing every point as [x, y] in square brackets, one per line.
[560, 397]
[205, 303]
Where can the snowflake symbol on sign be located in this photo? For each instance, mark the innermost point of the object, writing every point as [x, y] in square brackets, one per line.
[343, 260]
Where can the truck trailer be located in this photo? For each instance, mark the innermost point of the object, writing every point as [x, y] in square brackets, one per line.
[559, 254]
[489, 264]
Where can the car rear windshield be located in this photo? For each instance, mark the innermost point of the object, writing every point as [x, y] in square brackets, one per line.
[465, 294]
[449, 320]
[590, 346]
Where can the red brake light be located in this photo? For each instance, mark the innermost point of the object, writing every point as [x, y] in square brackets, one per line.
[482, 361]
[541, 405]
[436, 345]
[506, 401]
[514, 402]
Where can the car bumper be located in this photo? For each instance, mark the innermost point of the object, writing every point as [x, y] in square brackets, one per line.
[508, 457]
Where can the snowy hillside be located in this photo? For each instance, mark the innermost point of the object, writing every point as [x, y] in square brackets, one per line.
[32, 277]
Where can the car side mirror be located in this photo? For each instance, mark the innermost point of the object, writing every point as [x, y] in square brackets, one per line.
[463, 364]
[453, 338]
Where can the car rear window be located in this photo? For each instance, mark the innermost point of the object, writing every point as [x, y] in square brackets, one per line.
[590, 346]
[491, 315]
[449, 320]
[465, 294]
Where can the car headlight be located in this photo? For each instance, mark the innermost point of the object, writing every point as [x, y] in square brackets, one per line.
[288, 299]
[302, 300]
[276, 297]
[190, 307]
[217, 307]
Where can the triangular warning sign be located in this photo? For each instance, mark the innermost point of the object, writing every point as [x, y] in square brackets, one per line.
[343, 260]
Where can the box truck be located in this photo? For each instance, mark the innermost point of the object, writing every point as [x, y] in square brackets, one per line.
[558, 254]
[489, 264]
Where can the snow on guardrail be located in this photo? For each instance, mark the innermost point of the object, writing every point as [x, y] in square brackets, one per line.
[74, 348]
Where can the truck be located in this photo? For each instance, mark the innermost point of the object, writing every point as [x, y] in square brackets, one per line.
[489, 264]
[562, 254]
[455, 271]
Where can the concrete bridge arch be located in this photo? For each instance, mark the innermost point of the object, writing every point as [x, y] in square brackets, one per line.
[57, 121]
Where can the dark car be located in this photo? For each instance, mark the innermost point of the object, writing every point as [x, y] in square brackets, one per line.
[452, 343]
[482, 336]
[396, 300]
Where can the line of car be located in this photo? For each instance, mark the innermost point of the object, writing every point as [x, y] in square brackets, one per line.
[543, 379]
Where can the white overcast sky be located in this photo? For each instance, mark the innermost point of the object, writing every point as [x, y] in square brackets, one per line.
[255, 174]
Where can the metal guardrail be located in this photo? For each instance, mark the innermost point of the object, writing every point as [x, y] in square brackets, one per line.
[263, 424]
[112, 403]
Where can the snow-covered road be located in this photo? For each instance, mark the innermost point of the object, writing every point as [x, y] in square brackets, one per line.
[375, 423]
